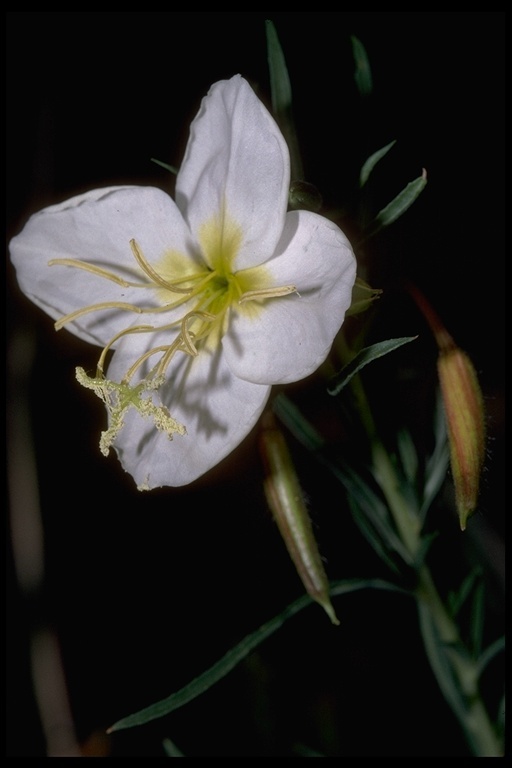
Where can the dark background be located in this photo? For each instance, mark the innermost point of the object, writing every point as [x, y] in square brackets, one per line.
[146, 591]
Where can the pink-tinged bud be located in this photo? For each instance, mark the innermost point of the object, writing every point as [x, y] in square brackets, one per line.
[285, 499]
[465, 413]
[464, 406]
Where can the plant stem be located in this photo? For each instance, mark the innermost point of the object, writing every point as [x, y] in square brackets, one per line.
[463, 696]
[455, 670]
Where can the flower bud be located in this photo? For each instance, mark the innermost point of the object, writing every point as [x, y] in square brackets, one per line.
[464, 407]
[465, 413]
[285, 499]
[304, 195]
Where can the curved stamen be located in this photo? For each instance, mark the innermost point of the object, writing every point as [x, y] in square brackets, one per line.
[95, 308]
[125, 332]
[150, 272]
[267, 293]
[176, 346]
[95, 270]
[185, 333]
[164, 348]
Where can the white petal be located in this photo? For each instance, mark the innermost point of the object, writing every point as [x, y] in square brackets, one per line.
[236, 162]
[96, 228]
[217, 409]
[292, 335]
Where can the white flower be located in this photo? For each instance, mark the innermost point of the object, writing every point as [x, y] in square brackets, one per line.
[206, 302]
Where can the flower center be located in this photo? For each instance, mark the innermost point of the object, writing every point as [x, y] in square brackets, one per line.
[196, 298]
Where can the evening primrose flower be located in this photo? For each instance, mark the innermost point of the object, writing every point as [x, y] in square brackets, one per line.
[205, 302]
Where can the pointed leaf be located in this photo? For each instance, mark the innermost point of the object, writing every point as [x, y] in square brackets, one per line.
[167, 167]
[408, 455]
[457, 599]
[170, 749]
[362, 358]
[363, 72]
[280, 87]
[437, 465]
[398, 206]
[371, 536]
[497, 647]
[477, 619]
[233, 657]
[372, 161]
[440, 663]
[281, 95]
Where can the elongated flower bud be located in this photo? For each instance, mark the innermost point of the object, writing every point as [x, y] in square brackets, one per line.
[465, 414]
[464, 408]
[284, 496]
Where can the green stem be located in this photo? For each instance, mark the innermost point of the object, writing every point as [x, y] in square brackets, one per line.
[456, 671]
[407, 524]
[463, 695]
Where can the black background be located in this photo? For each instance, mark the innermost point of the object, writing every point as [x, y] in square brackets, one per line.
[146, 591]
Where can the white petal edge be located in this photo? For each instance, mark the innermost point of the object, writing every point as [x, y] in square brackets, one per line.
[292, 335]
[96, 227]
[217, 409]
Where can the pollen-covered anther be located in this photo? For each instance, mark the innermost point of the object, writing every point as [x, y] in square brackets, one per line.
[267, 293]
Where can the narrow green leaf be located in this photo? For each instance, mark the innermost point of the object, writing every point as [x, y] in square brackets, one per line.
[437, 465]
[363, 357]
[408, 455]
[457, 599]
[372, 161]
[435, 477]
[167, 167]
[233, 657]
[363, 72]
[425, 544]
[281, 98]
[440, 663]
[497, 647]
[477, 619]
[300, 427]
[280, 87]
[398, 206]
[378, 526]
[170, 749]
[371, 536]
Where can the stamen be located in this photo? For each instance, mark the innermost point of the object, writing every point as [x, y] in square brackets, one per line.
[165, 348]
[176, 346]
[106, 273]
[96, 307]
[125, 332]
[186, 335]
[267, 293]
[148, 269]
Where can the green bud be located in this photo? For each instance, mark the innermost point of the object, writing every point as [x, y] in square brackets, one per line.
[363, 296]
[285, 499]
[304, 196]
